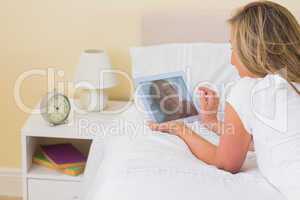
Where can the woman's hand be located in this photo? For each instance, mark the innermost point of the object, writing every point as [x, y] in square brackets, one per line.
[209, 104]
[171, 127]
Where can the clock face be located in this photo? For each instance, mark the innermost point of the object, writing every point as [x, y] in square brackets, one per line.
[58, 109]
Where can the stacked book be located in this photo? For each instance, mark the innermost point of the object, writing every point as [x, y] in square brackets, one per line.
[62, 157]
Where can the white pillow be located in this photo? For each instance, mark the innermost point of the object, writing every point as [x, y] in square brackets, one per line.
[202, 62]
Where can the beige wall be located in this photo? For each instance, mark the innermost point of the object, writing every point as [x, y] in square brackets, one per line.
[45, 33]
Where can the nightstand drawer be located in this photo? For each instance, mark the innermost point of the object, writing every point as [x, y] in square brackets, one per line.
[50, 190]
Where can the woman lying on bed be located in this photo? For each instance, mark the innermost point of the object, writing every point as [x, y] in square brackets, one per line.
[264, 104]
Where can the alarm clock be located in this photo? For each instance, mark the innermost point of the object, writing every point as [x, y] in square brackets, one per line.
[55, 108]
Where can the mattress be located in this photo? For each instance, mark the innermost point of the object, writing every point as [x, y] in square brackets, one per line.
[141, 164]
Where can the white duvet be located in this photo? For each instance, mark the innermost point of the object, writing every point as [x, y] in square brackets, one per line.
[141, 164]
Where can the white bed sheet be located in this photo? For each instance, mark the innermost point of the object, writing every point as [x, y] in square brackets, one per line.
[141, 165]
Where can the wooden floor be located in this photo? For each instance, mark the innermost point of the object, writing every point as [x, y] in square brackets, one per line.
[9, 198]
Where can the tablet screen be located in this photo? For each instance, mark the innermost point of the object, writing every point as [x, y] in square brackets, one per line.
[167, 98]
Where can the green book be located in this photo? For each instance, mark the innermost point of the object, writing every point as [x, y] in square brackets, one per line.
[40, 159]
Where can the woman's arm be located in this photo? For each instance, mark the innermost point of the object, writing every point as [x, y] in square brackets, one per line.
[209, 101]
[232, 149]
[234, 142]
[217, 127]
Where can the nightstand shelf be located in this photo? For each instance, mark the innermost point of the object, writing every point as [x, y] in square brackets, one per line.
[40, 172]
[41, 183]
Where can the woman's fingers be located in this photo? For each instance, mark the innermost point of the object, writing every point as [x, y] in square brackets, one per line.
[208, 100]
[207, 96]
[206, 90]
[203, 98]
[156, 126]
[167, 127]
[153, 125]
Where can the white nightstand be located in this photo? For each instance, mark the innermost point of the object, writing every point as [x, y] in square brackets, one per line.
[40, 183]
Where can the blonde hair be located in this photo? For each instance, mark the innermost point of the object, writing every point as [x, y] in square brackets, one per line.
[267, 40]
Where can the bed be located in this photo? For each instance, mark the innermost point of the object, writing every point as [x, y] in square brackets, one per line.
[140, 164]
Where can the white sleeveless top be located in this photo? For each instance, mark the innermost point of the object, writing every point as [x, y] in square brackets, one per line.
[269, 108]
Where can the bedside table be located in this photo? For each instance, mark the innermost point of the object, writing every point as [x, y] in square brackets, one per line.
[40, 183]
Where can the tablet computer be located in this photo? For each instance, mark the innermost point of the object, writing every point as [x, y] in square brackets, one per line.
[166, 97]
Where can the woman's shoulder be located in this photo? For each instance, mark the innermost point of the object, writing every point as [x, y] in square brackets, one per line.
[268, 85]
[239, 99]
[239, 92]
[243, 87]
